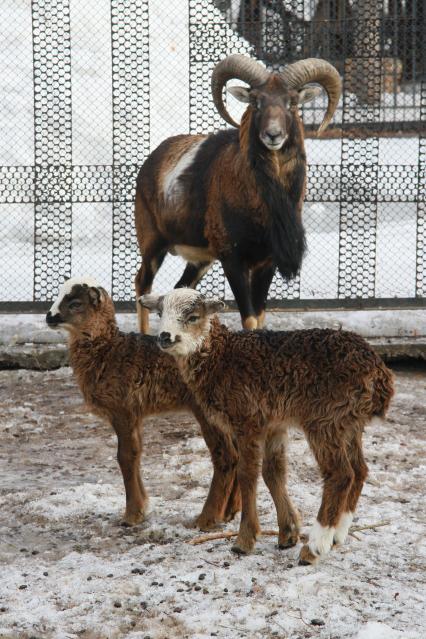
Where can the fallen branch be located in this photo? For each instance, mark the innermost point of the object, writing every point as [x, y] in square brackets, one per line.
[228, 534]
[354, 536]
[223, 535]
[354, 529]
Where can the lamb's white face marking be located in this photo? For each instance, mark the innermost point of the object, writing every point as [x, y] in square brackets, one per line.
[66, 288]
[172, 189]
[176, 318]
[321, 538]
[342, 528]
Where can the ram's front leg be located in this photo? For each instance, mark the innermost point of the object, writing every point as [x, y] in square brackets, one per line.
[238, 277]
[129, 451]
[261, 279]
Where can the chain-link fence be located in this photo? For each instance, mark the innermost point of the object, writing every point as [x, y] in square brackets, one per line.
[90, 88]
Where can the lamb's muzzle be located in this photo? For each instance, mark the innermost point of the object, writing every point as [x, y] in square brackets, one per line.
[53, 320]
[182, 309]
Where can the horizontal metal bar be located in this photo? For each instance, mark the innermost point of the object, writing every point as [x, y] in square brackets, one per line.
[389, 303]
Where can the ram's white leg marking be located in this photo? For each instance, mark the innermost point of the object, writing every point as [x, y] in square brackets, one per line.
[320, 539]
[342, 528]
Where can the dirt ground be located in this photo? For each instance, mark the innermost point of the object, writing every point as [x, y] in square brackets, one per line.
[69, 570]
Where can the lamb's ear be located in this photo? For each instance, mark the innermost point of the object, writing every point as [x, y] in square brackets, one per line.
[95, 295]
[213, 306]
[151, 302]
[308, 94]
[242, 94]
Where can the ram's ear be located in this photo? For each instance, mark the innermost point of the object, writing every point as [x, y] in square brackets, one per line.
[151, 302]
[308, 94]
[242, 94]
[95, 295]
[213, 306]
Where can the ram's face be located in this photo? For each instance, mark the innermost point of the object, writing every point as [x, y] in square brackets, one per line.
[184, 319]
[274, 106]
[273, 117]
[77, 302]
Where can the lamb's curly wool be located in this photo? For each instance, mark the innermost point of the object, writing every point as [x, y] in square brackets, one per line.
[328, 383]
[254, 385]
[125, 377]
[292, 372]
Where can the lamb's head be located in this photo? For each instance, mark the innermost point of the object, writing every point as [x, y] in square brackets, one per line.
[273, 98]
[81, 305]
[185, 317]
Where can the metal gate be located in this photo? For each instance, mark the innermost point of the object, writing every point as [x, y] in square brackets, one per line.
[90, 88]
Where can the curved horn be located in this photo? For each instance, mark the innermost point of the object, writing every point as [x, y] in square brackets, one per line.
[235, 66]
[316, 70]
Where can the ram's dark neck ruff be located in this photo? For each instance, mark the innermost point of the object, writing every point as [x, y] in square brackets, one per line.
[287, 235]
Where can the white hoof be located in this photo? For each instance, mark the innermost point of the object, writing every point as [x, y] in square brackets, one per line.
[320, 539]
[342, 528]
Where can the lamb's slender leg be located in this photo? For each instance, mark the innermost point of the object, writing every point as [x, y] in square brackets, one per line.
[129, 451]
[193, 274]
[360, 469]
[260, 282]
[274, 472]
[238, 277]
[330, 452]
[249, 461]
[222, 501]
[233, 505]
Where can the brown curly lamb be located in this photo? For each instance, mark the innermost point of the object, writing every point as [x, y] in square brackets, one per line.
[255, 384]
[125, 377]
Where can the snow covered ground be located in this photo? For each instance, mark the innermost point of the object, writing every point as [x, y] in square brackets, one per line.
[70, 571]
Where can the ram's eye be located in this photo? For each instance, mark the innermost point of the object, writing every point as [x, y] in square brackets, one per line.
[192, 319]
[75, 305]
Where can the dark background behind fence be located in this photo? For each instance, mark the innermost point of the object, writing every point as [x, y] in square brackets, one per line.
[89, 91]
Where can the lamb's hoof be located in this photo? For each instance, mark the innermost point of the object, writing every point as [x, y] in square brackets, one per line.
[206, 524]
[307, 557]
[287, 544]
[288, 540]
[239, 551]
[132, 519]
[244, 545]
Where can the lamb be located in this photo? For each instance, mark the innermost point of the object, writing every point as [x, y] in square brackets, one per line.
[126, 377]
[255, 384]
[235, 196]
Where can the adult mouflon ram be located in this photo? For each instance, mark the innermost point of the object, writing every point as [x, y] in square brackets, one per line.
[235, 196]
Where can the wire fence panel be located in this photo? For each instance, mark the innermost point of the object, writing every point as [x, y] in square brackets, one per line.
[89, 91]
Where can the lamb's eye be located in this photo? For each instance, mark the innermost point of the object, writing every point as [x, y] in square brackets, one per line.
[75, 305]
[192, 319]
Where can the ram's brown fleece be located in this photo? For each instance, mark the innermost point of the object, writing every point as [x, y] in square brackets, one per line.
[255, 384]
[124, 378]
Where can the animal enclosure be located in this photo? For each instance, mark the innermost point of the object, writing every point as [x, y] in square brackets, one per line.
[89, 91]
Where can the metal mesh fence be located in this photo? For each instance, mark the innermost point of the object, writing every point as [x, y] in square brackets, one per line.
[89, 91]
